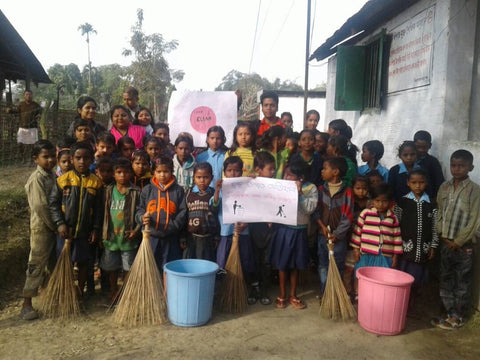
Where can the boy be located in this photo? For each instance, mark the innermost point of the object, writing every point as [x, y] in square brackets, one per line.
[82, 130]
[75, 207]
[334, 215]
[261, 234]
[458, 220]
[42, 228]
[105, 144]
[105, 170]
[120, 232]
[423, 143]
[269, 102]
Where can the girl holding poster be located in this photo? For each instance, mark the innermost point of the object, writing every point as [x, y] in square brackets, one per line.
[289, 251]
[244, 147]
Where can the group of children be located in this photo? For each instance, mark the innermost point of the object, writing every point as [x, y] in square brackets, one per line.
[107, 189]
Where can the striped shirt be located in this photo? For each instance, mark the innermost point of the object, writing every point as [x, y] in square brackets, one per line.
[458, 210]
[373, 233]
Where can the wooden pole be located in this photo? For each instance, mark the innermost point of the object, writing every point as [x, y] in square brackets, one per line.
[307, 55]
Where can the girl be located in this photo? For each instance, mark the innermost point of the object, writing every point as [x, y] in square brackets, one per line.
[313, 117]
[141, 168]
[144, 118]
[202, 225]
[398, 174]
[215, 153]
[183, 162]
[163, 209]
[321, 142]
[126, 147]
[289, 251]
[291, 147]
[340, 127]
[307, 155]
[154, 147]
[162, 131]
[372, 152]
[338, 147]
[273, 141]
[64, 160]
[376, 239]
[244, 147]
[122, 126]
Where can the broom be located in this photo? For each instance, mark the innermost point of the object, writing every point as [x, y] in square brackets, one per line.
[60, 298]
[335, 301]
[233, 298]
[141, 300]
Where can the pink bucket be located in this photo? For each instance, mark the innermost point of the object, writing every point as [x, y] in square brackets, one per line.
[383, 295]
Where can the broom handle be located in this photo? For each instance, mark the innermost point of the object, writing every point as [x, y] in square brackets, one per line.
[235, 235]
[330, 243]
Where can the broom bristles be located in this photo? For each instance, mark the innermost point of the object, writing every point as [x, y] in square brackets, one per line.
[60, 298]
[142, 299]
[233, 298]
[335, 303]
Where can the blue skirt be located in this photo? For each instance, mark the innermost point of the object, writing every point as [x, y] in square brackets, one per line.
[289, 249]
[244, 248]
[373, 260]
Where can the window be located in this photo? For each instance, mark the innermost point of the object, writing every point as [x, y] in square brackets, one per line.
[361, 77]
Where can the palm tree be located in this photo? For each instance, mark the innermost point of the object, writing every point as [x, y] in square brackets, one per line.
[87, 29]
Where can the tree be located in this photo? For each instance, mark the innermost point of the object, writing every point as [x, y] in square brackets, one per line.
[86, 29]
[149, 71]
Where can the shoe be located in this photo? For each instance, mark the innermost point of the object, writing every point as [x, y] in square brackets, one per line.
[265, 300]
[280, 303]
[297, 303]
[29, 313]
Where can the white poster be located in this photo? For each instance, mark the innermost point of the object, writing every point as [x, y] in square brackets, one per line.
[259, 199]
[196, 111]
[411, 52]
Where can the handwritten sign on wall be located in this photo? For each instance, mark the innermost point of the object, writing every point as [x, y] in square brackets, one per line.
[259, 200]
[411, 52]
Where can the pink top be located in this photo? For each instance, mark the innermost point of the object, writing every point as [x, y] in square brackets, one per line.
[136, 132]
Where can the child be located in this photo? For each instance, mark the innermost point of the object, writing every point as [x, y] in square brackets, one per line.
[105, 148]
[360, 189]
[64, 160]
[120, 232]
[162, 131]
[144, 118]
[126, 147]
[338, 146]
[202, 226]
[372, 152]
[423, 143]
[163, 209]
[75, 207]
[376, 238]
[398, 174]
[287, 120]
[321, 143]
[333, 216]
[105, 170]
[261, 234]
[141, 168]
[458, 220]
[232, 167]
[375, 178]
[42, 229]
[154, 148]
[215, 153]
[244, 147]
[273, 141]
[183, 162]
[418, 221]
[313, 117]
[82, 130]
[307, 154]
[289, 252]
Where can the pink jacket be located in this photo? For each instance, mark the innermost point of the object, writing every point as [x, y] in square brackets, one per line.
[136, 132]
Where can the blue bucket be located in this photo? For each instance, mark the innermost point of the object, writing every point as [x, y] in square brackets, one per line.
[190, 286]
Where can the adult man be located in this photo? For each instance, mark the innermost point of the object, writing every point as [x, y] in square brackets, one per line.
[269, 101]
[130, 100]
[30, 113]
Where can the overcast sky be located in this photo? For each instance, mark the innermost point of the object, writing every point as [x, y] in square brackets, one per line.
[215, 36]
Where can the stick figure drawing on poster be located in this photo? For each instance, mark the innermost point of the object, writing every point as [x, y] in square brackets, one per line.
[280, 211]
[235, 207]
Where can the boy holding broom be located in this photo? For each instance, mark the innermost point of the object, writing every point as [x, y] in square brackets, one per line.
[120, 232]
[75, 207]
[42, 228]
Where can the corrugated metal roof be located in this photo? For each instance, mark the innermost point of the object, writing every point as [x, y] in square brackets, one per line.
[17, 61]
[370, 17]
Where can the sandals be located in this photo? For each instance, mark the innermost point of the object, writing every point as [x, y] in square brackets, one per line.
[297, 303]
[450, 323]
[280, 303]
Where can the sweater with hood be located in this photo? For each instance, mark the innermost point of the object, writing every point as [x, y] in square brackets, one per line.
[166, 205]
[184, 173]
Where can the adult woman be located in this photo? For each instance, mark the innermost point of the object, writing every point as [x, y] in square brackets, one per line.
[86, 108]
[122, 126]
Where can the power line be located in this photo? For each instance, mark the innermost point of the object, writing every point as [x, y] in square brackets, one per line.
[255, 36]
[281, 29]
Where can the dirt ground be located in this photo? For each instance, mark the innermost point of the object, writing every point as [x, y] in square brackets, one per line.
[262, 332]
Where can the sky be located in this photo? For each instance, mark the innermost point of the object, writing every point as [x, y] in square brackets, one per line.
[215, 36]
